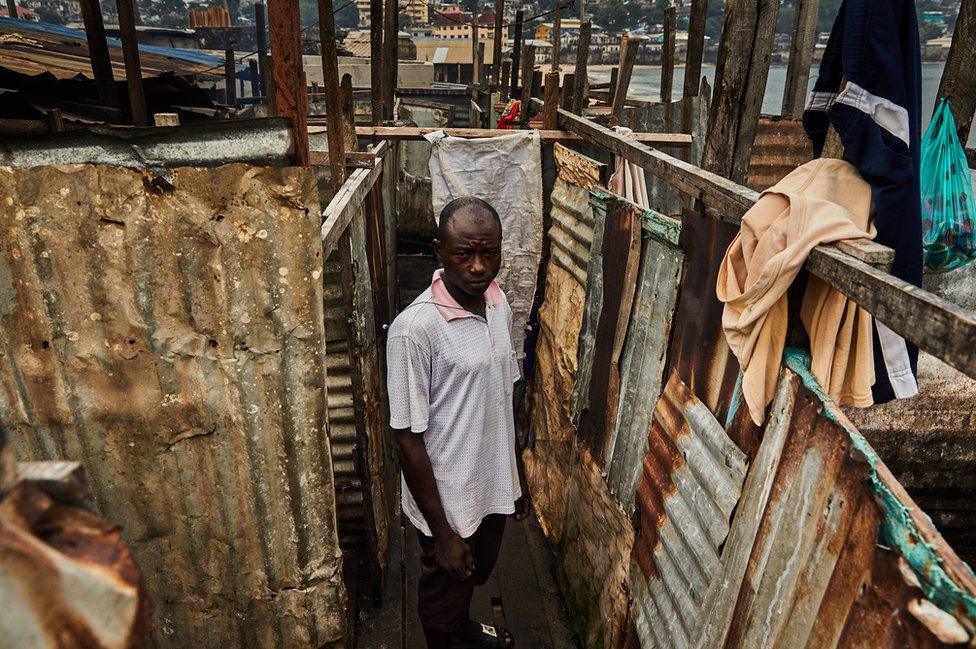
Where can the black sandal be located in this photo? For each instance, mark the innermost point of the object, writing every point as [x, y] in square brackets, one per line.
[487, 639]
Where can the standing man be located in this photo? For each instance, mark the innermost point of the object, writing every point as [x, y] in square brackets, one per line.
[451, 367]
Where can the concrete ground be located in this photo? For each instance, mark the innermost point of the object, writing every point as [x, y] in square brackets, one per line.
[521, 595]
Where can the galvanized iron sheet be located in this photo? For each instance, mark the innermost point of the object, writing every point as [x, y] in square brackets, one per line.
[692, 479]
[170, 336]
[645, 354]
[549, 459]
[781, 146]
[698, 350]
[826, 549]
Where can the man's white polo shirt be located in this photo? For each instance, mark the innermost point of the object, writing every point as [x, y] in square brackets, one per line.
[449, 377]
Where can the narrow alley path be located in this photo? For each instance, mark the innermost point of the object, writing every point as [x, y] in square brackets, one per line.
[521, 596]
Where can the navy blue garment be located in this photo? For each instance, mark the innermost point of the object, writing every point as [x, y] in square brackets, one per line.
[873, 49]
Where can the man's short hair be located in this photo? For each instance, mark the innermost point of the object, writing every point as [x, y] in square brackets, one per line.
[459, 204]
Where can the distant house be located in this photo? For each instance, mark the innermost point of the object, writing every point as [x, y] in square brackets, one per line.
[23, 13]
[457, 24]
[452, 58]
[568, 28]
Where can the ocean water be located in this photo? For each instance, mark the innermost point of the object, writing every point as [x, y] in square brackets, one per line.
[646, 82]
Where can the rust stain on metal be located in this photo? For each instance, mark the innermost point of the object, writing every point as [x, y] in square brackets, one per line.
[692, 479]
[698, 350]
[781, 146]
[135, 312]
[66, 578]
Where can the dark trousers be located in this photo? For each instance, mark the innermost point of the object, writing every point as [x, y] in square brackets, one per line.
[443, 602]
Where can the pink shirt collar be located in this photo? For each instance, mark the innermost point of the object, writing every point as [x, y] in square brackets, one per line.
[449, 307]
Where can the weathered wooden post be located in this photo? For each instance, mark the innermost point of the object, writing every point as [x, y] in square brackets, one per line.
[801, 53]
[496, 46]
[12, 9]
[252, 70]
[550, 111]
[667, 55]
[376, 61]
[390, 57]
[260, 31]
[230, 77]
[516, 54]
[959, 77]
[582, 53]
[528, 63]
[333, 99]
[628, 55]
[133, 70]
[614, 78]
[556, 25]
[566, 98]
[290, 95]
[474, 48]
[91, 13]
[506, 77]
[740, 81]
[696, 47]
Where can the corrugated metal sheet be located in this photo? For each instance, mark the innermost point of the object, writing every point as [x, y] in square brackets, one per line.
[781, 146]
[552, 453]
[691, 482]
[645, 353]
[170, 335]
[36, 48]
[571, 234]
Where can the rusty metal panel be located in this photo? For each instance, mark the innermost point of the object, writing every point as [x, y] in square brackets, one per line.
[170, 336]
[66, 577]
[691, 482]
[698, 349]
[827, 549]
[552, 451]
[781, 146]
[644, 354]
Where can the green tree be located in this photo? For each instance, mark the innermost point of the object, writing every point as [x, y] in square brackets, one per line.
[346, 14]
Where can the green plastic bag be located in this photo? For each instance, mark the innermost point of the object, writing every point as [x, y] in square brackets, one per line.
[948, 209]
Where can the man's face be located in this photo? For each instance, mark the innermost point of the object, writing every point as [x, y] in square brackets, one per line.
[470, 250]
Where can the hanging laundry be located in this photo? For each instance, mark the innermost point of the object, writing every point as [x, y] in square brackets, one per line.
[821, 201]
[506, 171]
[873, 49]
[948, 208]
[628, 178]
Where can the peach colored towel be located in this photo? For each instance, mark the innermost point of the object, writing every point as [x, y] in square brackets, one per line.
[822, 201]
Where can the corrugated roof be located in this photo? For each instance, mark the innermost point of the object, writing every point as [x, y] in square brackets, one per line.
[34, 48]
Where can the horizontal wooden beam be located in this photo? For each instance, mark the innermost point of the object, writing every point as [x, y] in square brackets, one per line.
[400, 133]
[855, 268]
[348, 201]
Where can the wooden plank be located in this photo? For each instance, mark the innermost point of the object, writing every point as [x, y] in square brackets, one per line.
[101, 63]
[550, 114]
[582, 54]
[959, 77]
[376, 61]
[528, 63]
[401, 133]
[390, 57]
[667, 62]
[347, 202]
[290, 96]
[133, 70]
[496, 46]
[566, 98]
[696, 47]
[12, 9]
[516, 54]
[252, 69]
[230, 77]
[506, 78]
[628, 56]
[801, 53]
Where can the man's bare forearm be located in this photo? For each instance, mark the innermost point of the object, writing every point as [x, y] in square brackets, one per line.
[419, 476]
